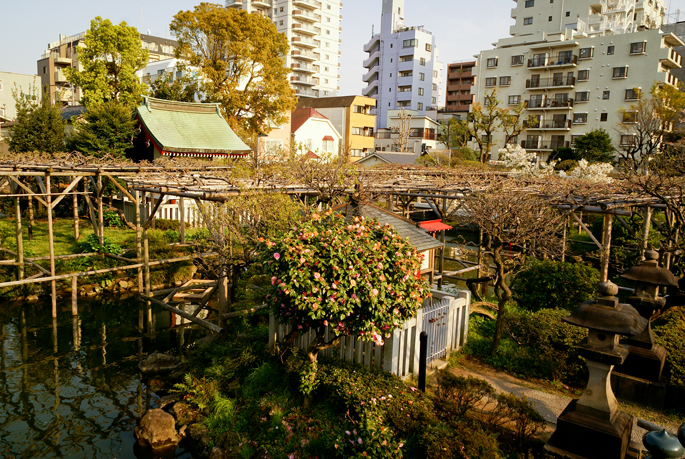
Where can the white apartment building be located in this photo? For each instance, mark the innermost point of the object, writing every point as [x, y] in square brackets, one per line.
[313, 31]
[15, 81]
[575, 64]
[404, 71]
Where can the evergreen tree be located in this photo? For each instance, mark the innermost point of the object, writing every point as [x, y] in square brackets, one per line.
[105, 130]
[595, 147]
[39, 125]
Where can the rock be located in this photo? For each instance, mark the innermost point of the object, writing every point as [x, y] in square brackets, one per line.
[207, 340]
[217, 453]
[196, 431]
[32, 298]
[182, 431]
[183, 413]
[169, 399]
[178, 373]
[123, 284]
[157, 430]
[155, 384]
[159, 363]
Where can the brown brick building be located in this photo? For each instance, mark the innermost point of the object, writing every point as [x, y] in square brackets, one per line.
[460, 79]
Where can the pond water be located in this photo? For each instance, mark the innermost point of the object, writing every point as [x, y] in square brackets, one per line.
[71, 387]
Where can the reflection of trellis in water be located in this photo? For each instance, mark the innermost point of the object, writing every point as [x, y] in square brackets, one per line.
[399, 354]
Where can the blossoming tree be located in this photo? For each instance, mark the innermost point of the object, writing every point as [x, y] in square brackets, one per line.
[358, 278]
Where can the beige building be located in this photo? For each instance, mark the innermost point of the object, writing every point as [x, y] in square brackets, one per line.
[421, 131]
[313, 31]
[575, 65]
[351, 116]
[19, 81]
[63, 53]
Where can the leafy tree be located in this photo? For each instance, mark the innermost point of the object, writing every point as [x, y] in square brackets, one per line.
[483, 121]
[39, 125]
[105, 130]
[356, 278]
[453, 133]
[169, 87]
[241, 58]
[110, 59]
[595, 147]
[563, 154]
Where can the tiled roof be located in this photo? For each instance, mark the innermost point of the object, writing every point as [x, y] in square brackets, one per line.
[408, 229]
[185, 127]
[301, 115]
[392, 158]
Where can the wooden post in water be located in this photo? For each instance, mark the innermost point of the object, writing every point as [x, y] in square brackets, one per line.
[51, 244]
[20, 238]
[74, 296]
[181, 209]
[74, 201]
[606, 248]
[139, 240]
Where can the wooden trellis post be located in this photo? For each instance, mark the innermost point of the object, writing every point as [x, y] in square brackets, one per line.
[139, 239]
[99, 190]
[646, 220]
[181, 209]
[606, 248]
[74, 200]
[19, 235]
[51, 244]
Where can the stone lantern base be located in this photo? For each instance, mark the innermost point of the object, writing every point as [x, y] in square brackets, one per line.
[643, 363]
[580, 435]
[638, 379]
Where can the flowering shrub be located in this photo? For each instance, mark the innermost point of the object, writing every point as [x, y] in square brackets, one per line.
[358, 278]
[523, 163]
[598, 172]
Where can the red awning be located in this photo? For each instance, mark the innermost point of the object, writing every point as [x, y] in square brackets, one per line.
[434, 225]
[328, 137]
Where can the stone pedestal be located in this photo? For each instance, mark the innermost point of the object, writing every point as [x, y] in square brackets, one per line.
[644, 363]
[581, 435]
[632, 389]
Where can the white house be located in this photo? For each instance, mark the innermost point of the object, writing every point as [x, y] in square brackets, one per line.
[313, 132]
[423, 132]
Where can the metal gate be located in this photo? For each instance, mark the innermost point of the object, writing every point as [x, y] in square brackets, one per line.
[436, 326]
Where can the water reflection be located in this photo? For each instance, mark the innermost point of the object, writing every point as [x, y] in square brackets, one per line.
[70, 387]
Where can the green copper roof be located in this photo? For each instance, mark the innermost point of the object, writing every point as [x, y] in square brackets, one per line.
[185, 127]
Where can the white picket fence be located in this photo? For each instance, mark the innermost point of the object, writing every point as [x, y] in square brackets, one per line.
[169, 210]
[400, 353]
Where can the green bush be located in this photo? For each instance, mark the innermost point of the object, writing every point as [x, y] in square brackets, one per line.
[566, 165]
[112, 219]
[669, 331]
[91, 243]
[165, 224]
[459, 394]
[519, 412]
[458, 439]
[548, 284]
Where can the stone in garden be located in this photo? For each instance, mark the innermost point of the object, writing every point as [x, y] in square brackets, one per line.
[159, 363]
[197, 431]
[183, 413]
[157, 430]
[217, 453]
[168, 400]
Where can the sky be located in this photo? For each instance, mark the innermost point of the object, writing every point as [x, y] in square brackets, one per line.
[462, 27]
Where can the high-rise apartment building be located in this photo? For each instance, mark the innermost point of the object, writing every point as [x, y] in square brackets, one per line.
[313, 31]
[460, 81]
[576, 64]
[404, 71]
[63, 53]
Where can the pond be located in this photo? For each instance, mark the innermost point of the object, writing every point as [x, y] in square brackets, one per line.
[72, 387]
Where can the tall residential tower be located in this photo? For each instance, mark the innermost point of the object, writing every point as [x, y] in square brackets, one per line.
[313, 31]
[403, 68]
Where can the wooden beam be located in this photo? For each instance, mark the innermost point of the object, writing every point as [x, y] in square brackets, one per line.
[139, 240]
[151, 217]
[29, 191]
[203, 323]
[606, 250]
[20, 238]
[121, 188]
[646, 221]
[64, 193]
[51, 246]
[589, 233]
[101, 215]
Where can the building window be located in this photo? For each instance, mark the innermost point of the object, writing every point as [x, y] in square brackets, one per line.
[429, 47]
[527, 21]
[491, 62]
[356, 153]
[420, 91]
[435, 73]
[638, 48]
[403, 103]
[325, 69]
[517, 60]
[583, 96]
[422, 61]
[580, 118]
[275, 10]
[583, 75]
[586, 53]
[633, 94]
[419, 106]
[325, 81]
[629, 117]
[610, 50]
[422, 77]
[328, 7]
[280, 23]
[606, 95]
[328, 32]
[327, 145]
[627, 140]
[325, 93]
[514, 100]
[435, 87]
[603, 116]
[550, 19]
[328, 19]
[568, 14]
[620, 72]
[530, 3]
[406, 58]
[406, 73]
[281, 9]
[411, 43]
[434, 100]
[491, 81]
[505, 81]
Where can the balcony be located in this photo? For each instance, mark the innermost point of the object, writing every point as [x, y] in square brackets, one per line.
[371, 43]
[371, 89]
[548, 124]
[304, 55]
[306, 16]
[304, 80]
[263, 3]
[556, 61]
[368, 75]
[458, 74]
[461, 97]
[306, 29]
[544, 144]
[545, 83]
[550, 104]
[59, 77]
[309, 4]
[370, 61]
[459, 87]
[304, 68]
[233, 3]
[305, 42]
[306, 92]
[673, 61]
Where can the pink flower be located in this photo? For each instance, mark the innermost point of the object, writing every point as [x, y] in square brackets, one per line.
[277, 255]
[325, 323]
[359, 440]
[317, 275]
[273, 280]
[353, 282]
[375, 292]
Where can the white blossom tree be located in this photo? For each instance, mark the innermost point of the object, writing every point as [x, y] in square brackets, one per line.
[597, 172]
[523, 163]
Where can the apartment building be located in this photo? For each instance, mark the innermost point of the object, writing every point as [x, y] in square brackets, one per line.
[351, 116]
[403, 67]
[313, 31]
[10, 81]
[63, 53]
[420, 132]
[575, 65]
[460, 80]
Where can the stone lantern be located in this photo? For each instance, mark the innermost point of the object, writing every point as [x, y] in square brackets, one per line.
[646, 358]
[592, 426]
